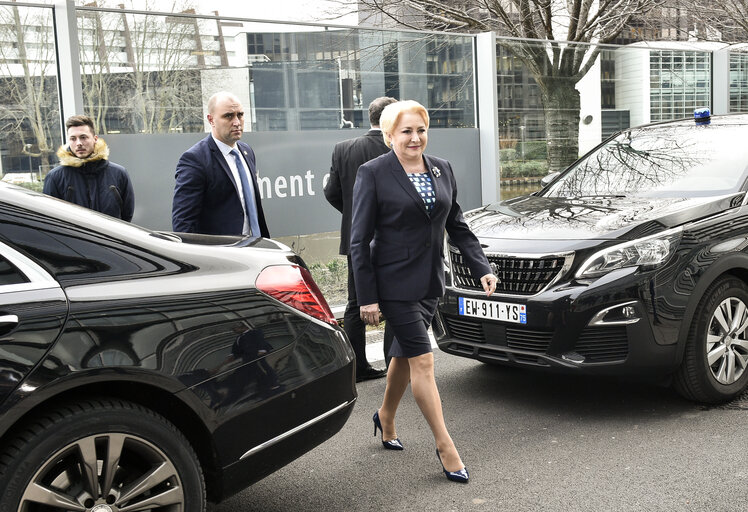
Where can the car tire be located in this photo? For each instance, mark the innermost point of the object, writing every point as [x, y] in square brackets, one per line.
[58, 457]
[713, 369]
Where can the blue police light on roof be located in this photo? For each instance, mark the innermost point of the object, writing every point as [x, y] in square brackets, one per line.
[702, 115]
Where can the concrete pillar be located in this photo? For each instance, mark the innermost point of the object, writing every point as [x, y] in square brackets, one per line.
[721, 81]
[488, 115]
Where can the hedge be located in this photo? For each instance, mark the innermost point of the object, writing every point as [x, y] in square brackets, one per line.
[518, 169]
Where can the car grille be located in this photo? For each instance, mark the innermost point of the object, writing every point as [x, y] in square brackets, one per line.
[603, 344]
[480, 332]
[595, 344]
[533, 341]
[465, 329]
[517, 276]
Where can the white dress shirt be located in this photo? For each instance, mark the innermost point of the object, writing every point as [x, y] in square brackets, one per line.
[226, 152]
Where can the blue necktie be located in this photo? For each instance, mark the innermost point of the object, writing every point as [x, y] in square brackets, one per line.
[249, 197]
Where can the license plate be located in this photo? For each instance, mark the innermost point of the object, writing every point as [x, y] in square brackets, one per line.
[502, 311]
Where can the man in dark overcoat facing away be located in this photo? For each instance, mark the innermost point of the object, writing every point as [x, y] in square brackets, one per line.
[347, 156]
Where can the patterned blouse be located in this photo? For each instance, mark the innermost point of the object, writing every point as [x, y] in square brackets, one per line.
[424, 187]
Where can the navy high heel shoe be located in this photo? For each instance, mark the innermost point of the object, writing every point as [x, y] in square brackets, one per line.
[460, 476]
[395, 444]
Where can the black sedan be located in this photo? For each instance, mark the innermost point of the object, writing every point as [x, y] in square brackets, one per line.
[633, 261]
[154, 371]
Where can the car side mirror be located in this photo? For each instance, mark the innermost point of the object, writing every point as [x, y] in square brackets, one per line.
[549, 178]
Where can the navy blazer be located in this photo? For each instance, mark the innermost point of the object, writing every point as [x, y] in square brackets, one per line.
[206, 199]
[347, 156]
[397, 247]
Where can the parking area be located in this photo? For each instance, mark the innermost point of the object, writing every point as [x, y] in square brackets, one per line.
[532, 442]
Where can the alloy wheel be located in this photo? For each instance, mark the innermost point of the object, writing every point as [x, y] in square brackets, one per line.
[727, 341]
[109, 472]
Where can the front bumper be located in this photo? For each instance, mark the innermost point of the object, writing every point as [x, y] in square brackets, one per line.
[575, 327]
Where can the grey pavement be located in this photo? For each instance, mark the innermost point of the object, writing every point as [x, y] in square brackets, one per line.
[532, 442]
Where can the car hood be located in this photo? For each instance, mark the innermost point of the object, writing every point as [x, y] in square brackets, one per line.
[555, 218]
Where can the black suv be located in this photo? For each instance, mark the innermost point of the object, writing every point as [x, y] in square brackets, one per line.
[632, 261]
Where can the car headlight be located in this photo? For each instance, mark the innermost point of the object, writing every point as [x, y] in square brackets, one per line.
[645, 252]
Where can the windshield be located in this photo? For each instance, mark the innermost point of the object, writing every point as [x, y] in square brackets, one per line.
[661, 161]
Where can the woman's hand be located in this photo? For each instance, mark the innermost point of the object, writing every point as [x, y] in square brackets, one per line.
[489, 283]
[370, 314]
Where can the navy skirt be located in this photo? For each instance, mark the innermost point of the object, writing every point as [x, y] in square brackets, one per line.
[409, 322]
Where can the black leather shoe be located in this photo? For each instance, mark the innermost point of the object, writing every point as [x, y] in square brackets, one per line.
[370, 373]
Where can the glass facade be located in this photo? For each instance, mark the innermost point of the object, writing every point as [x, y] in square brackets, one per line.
[140, 73]
[326, 79]
[148, 73]
[520, 105]
[151, 73]
[738, 82]
[679, 82]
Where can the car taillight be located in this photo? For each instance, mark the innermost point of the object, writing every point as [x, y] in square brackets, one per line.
[293, 285]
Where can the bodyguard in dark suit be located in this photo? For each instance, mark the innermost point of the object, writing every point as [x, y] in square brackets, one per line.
[402, 203]
[347, 156]
[216, 189]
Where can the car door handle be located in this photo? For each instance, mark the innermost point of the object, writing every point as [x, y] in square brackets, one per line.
[8, 323]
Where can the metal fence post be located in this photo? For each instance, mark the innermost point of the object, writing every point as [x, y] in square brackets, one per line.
[68, 61]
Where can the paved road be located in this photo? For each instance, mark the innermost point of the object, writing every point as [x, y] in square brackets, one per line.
[532, 442]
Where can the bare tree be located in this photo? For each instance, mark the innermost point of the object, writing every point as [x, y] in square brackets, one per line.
[557, 40]
[156, 88]
[150, 87]
[162, 72]
[733, 14]
[29, 112]
[97, 79]
[721, 20]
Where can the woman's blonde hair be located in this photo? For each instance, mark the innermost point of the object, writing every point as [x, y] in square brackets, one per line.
[392, 113]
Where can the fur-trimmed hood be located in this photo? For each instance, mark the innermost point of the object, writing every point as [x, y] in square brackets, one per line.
[68, 158]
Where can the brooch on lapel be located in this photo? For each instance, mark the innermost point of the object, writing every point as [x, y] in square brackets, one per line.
[436, 172]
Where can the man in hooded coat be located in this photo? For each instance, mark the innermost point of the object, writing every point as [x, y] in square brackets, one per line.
[85, 175]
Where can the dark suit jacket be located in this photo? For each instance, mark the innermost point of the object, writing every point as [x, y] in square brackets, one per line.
[205, 195]
[397, 248]
[347, 156]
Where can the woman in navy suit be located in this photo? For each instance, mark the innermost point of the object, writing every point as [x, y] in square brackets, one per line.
[402, 203]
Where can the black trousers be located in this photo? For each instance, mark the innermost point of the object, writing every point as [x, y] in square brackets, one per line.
[355, 328]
